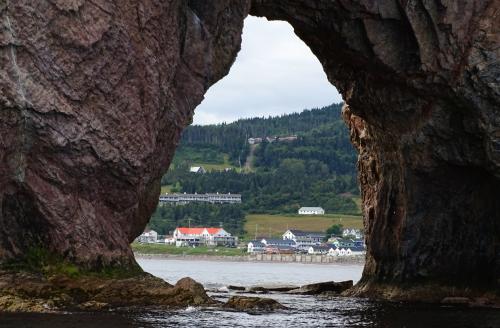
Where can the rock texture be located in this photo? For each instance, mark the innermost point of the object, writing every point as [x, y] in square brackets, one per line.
[25, 292]
[421, 83]
[94, 94]
[93, 97]
[253, 304]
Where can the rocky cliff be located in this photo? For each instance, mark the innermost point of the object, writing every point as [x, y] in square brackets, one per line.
[94, 95]
[421, 83]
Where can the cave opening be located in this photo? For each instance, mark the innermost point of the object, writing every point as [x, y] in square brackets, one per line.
[275, 74]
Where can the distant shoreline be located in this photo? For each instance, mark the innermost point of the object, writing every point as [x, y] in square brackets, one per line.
[245, 258]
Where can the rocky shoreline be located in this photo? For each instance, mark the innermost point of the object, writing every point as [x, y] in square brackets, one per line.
[22, 292]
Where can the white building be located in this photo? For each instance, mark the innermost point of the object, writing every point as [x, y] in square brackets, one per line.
[148, 237]
[197, 169]
[304, 239]
[253, 141]
[311, 211]
[183, 199]
[203, 236]
[256, 246]
[356, 233]
[318, 250]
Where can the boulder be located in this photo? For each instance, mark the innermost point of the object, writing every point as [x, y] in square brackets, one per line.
[243, 303]
[323, 287]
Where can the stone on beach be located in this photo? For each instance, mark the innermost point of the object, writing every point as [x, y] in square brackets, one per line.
[323, 287]
[244, 303]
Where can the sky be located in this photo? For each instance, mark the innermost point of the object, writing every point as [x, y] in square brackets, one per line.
[274, 73]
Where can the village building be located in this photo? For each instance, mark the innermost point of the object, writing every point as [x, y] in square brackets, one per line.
[304, 239]
[279, 242]
[203, 236]
[256, 246]
[148, 237]
[311, 211]
[183, 199]
[197, 169]
[254, 141]
[354, 233]
[318, 250]
[279, 249]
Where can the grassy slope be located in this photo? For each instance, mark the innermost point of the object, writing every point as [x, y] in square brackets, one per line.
[170, 249]
[277, 224]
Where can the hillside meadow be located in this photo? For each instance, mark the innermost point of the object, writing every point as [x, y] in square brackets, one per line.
[276, 225]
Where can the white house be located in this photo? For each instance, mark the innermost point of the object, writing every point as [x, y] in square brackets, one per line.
[304, 239]
[356, 233]
[311, 211]
[204, 236]
[318, 250]
[253, 141]
[148, 237]
[256, 246]
[197, 169]
[169, 240]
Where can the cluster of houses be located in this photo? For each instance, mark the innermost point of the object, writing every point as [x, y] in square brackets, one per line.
[183, 199]
[191, 237]
[297, 241]
[254, 141]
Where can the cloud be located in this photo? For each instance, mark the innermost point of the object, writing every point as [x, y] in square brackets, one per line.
[274, 73]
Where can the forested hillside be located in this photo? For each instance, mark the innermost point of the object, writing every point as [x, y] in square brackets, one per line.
[316, 169]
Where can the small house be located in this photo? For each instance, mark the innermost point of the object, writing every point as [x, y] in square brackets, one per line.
[148, 237]
[197, 169]
[255, 246]
[318, 250]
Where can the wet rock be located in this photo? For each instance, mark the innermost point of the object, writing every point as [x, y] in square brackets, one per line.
[232, 287]
[323, 287]
[270, 288]
[243, 303]
[35, 293]
[454, 300]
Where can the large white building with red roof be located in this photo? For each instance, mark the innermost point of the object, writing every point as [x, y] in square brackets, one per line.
[203, 236]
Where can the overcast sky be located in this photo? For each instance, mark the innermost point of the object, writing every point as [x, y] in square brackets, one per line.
[274, 73]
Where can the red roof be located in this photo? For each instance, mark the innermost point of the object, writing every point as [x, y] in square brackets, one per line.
[197, 231]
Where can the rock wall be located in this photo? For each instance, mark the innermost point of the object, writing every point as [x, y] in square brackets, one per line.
[94, 94]
[421, 80]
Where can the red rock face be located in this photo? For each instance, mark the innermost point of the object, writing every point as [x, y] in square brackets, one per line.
[421, 82]
[94, 95]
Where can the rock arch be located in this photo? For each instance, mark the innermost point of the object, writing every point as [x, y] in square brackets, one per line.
[94, 95]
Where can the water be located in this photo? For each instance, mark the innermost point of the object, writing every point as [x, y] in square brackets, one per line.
[305, 311]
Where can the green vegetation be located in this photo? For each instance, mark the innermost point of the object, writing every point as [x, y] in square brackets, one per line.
[316, 169]
[275, 225]
[334, 230]
[170, 249]
[166, 218]
[41, 261]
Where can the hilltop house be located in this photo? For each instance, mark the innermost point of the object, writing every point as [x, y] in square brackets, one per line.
[203, 236]
[197, 169]
[183, 199]
[304, 239]
[311, 211]
[148, 237]
[254, 141]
